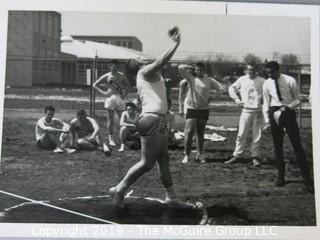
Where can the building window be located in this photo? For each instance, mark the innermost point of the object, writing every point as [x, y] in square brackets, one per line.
[49, 53]
[36, 65]
[56, 66]
[49, 64]
[50, 26]
[36, 51]
[56, 28]
[43, 23]
[43, 52]
[82, 68]
[124, 43]
[118, 43]
[43, 65]
[130, 44]
[36, 21]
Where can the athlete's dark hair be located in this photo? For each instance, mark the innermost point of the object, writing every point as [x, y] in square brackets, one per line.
[200, 65]
[131, 104]
[49, 108]
[81, 112]
[273, 65]
[132, 67]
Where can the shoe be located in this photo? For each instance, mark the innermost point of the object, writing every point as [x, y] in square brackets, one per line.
[58, 150]
[185, 159]
[255, 162]
[231, 160]
[106, 150]
[199, 158]
[112, 143]
[280, 182]
[70, 150]
[117, 198]
[121, 150]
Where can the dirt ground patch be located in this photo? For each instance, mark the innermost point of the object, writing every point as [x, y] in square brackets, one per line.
[236, 194]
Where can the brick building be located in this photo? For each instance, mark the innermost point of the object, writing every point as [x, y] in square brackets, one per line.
[38, 56]
[33, 48]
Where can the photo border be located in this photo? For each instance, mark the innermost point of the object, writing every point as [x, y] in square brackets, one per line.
[188, 7]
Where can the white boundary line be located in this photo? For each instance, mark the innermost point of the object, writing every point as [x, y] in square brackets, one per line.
[200, 205]
[128, 195]
[58, 208]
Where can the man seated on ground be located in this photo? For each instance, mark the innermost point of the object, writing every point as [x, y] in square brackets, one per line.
[52, 133]
[128, 131]
[85, 133]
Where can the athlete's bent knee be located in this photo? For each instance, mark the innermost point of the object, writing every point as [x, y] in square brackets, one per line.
[147, 166]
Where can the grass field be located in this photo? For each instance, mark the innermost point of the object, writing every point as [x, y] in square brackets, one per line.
[238, 194]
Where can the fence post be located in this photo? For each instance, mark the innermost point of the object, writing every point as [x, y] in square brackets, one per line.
[299, 84]
[91, 89]
[95, 77]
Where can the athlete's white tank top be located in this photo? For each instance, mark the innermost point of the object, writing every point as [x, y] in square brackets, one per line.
[152, 95]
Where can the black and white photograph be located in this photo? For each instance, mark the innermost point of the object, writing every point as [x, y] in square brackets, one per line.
[199, 121]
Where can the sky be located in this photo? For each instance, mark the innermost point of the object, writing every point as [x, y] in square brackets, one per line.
[201, 35]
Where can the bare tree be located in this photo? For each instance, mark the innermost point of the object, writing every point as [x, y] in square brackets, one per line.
[276, 56]
[220, 57]
[251, 58]
[289, 59]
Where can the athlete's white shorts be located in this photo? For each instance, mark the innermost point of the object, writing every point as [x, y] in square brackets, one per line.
[114, 103]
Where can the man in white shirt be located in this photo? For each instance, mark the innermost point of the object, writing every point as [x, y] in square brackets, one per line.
[152, 126]
[117, 86]
[249, 87]
[52, 133]
[280, 97]
[86, 133]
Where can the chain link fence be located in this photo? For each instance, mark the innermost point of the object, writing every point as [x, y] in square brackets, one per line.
[71, 72]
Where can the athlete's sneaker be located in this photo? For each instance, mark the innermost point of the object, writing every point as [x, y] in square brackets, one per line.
[185, 159]
[117, 198]
[231, 160]
[106, 150]
[255, 162]
[199, 158]
[112, 143]
[58, 150]
[121, 149]
[70, 150]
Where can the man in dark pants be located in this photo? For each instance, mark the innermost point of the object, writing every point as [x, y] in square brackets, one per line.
[280, 97]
